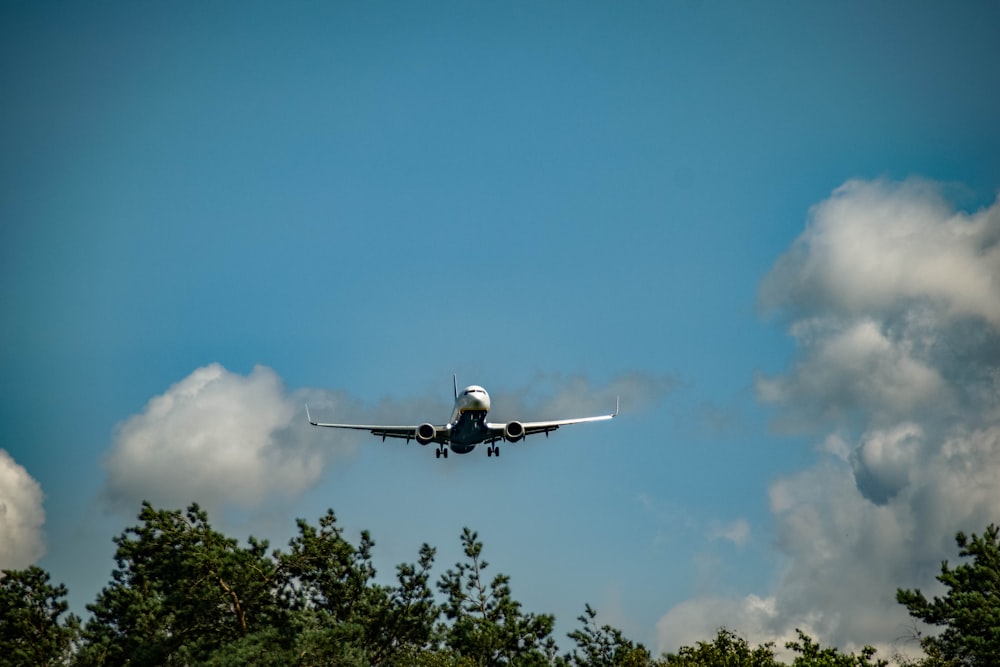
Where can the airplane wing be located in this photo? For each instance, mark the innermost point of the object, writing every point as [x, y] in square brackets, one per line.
[531, 428]
[404, 432]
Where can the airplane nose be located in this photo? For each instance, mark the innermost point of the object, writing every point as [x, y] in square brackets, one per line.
[475, 398]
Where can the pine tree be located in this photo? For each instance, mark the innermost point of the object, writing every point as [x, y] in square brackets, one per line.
[970, 610]
[31, 631]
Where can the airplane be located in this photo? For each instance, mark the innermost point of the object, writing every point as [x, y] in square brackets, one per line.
[468, 426]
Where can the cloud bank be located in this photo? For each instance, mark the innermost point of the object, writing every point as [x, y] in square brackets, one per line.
[217, 438]
[893, 298]
[21, 516]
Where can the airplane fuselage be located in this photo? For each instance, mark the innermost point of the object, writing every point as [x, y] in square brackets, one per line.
[468, 419]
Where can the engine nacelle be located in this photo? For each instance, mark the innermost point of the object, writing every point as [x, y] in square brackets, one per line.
[513, 431]
[426, 433]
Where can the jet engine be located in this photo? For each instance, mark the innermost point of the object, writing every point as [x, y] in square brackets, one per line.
[426, 433]
[513, 431]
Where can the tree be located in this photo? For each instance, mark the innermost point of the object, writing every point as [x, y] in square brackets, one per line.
[183, 593]
[727, 649]
[31, 632]
[403, 625]
[811, 654]
[487, 625]
[180, 592]
[330, 583]
[970, 610]
[326, 582]
[604, 646]
[731, 650]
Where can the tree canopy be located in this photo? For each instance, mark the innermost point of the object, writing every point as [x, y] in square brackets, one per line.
[32, 630]
[970, 610]
[182, 593]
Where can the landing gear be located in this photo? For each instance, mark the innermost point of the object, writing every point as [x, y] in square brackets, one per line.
[441, 451]
[492, 451]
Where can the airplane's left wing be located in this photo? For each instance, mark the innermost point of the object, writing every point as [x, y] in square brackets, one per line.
[523, 430]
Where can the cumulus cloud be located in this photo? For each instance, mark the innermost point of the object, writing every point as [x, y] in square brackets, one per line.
[852, 367]
[878, 247]
[217, 438]
[698, 620]
[21, 516]
[893, 298]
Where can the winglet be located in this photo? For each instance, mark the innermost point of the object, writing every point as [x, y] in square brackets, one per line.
[455, 378]
[617, 403]
[308, 417]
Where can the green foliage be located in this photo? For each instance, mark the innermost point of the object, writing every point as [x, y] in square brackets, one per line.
[604, 646]
[487, 625]
[180, 592]
[404, 624]
[970, 611]
[811, 654]
[329, 579]
[731, 650]
[932, 657]
[183, 594]
[727, 650]
[326, 580]
[31, 632]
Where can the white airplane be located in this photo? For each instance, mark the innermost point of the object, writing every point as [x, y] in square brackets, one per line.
[468, 426]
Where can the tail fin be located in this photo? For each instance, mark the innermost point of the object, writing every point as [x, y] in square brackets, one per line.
[455, 378]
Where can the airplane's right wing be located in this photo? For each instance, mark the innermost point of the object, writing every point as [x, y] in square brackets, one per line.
[382, 431]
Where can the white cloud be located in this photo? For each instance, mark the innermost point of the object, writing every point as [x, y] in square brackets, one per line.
[737, 532]
[217, 438]
[873, 246]
[850, 367]
[21, 516]
[698, 619]
[884, 459]
[894, 301]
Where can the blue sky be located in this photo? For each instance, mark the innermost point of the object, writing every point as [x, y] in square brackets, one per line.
[760, 224]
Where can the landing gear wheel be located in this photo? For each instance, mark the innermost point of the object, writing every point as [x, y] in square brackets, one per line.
[496, 451]
[445, 451]
[437, 453]
[489, 452]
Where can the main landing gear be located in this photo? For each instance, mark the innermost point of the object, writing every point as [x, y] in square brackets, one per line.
[442, 451]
